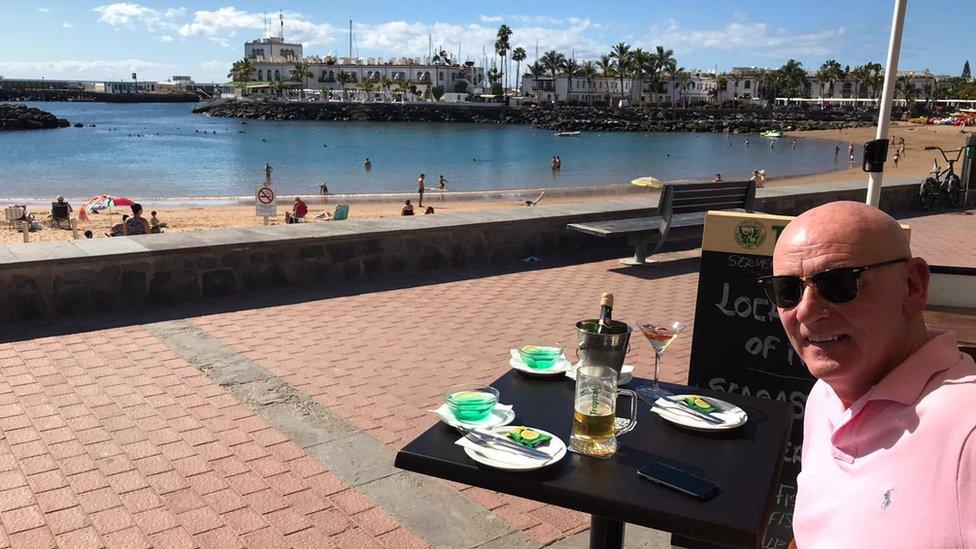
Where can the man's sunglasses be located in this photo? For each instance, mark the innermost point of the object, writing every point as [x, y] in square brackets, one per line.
[835, 285]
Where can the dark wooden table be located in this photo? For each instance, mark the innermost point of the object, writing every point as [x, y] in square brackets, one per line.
[745, 463]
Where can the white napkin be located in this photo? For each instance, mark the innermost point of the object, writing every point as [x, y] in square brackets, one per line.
[505, 457]
[444, 412]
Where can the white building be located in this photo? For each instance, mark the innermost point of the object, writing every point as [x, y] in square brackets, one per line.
[274, 60]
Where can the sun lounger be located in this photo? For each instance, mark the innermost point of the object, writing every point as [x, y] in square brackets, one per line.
[341, 212]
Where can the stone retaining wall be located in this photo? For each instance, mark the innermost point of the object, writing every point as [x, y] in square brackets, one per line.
[53, 279]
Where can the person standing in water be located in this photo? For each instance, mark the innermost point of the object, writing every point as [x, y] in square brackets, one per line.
[267, 173]
[420, 190]
[367, 165]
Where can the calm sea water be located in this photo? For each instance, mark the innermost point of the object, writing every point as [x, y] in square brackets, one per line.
[179, 155]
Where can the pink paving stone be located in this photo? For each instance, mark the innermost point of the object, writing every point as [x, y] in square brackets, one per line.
[66, 520]
[128, 538]
[224, 501]
[516, 518]
[15, 498]
[310, 538]
[307, 502]
[184, 500]
[25, 518]
[401, 538]
[286, 484]
[244, 521]
[200, 520]
[375, 521]
[354, 538]
[351, 502]
[265, 501]
[265, 538]
[141, 500]
[176, 538]
[54, 500]
[545, 533]
[38, 538]
[111, 520]
[156, 520]
[331, 521]
[85, 538]
[206, 483]
[220, 538]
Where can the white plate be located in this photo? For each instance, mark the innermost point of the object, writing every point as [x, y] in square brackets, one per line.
[500, 459]
[732, 415]
[560, 367]
[503, 414]
[625, 377]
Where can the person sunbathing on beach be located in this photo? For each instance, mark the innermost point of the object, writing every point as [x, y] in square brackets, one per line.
[407, 208]
[117, 229]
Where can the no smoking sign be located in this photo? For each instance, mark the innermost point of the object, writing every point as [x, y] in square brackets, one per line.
[265, 202]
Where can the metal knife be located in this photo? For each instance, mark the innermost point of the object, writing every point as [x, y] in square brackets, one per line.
[493, 439]
[697, 413]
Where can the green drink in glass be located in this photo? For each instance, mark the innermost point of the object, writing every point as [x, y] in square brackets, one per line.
[470, 404]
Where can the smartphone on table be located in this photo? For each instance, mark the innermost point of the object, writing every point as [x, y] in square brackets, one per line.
[678, 480]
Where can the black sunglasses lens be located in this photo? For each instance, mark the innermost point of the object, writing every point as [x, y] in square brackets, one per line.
[785, 292]
[838, 286]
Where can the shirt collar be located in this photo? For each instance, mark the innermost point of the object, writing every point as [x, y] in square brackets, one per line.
[906, 382]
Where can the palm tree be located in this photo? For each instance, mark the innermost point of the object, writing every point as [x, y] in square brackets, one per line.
[588, 70]
[367, 86]
[503, 45]
[721, 84]
[342, 79]
[907, 89]
[607, 66]
[493, 75]
[572, 69]
[684, 79]
[664, 63]
[385, 85]
[302, 71]
[554, 62]
[536, 69]
[792, 76]
[402, 86]
[518, 55]
[240, 73]
[830, 71]
[875, 78]
[621, 52]
[736, 78]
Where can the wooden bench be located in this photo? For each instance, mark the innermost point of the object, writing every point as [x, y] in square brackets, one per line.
[682, 205]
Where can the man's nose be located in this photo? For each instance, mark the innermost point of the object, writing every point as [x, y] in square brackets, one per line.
[812, 305]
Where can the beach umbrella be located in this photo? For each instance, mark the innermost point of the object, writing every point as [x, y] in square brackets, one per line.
[887, 97]
[102, 202]
[648, 181]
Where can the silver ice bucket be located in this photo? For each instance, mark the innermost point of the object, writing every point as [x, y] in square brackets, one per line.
[606, 349]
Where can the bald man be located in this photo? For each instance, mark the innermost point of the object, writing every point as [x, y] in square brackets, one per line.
[889, 448]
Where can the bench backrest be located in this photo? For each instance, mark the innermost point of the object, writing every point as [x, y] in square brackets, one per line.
[680, 198]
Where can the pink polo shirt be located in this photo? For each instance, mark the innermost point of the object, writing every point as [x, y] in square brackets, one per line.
[898, 468]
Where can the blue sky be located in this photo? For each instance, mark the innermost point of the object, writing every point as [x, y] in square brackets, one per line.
[81, 39]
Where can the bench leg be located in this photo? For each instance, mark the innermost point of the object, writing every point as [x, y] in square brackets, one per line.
[640, 253]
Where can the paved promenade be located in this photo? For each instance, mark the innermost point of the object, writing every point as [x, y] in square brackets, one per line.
[272, 421]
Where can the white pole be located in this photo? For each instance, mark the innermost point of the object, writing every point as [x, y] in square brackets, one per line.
[887, 94]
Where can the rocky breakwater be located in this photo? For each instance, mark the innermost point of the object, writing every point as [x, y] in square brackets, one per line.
[21, 117]
[564, 118]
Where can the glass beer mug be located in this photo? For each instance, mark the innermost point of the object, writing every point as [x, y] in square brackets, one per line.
[594, 412]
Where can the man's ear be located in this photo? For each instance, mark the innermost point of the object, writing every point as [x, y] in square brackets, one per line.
[917, 281]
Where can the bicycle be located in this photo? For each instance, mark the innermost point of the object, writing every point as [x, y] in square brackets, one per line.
[943, 185]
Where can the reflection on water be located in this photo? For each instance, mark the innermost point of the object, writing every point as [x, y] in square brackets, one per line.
[164, 150]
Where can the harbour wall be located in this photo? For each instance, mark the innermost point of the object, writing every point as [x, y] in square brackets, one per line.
[55, 280]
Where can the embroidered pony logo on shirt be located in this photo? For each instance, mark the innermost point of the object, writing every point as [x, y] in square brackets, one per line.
[887, 498]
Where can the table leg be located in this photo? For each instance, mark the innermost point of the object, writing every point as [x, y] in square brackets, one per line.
[606, 533]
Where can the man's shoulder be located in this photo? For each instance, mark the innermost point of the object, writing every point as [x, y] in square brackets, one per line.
[953, 392]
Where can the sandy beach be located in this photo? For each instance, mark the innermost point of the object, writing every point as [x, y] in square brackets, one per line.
[914, 165]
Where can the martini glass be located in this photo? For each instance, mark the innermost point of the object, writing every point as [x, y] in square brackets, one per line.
[660, 336]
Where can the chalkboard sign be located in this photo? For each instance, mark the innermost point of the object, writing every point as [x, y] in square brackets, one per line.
[739, 344]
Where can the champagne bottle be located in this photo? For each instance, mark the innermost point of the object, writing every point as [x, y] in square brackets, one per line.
[606, 314]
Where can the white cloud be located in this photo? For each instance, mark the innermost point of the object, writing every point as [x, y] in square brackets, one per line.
[105, 68]
[67, 25]
[164, 38]
[521, 19]
[128, 15]
[43, 10]
[226, 22]
[753, 38]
